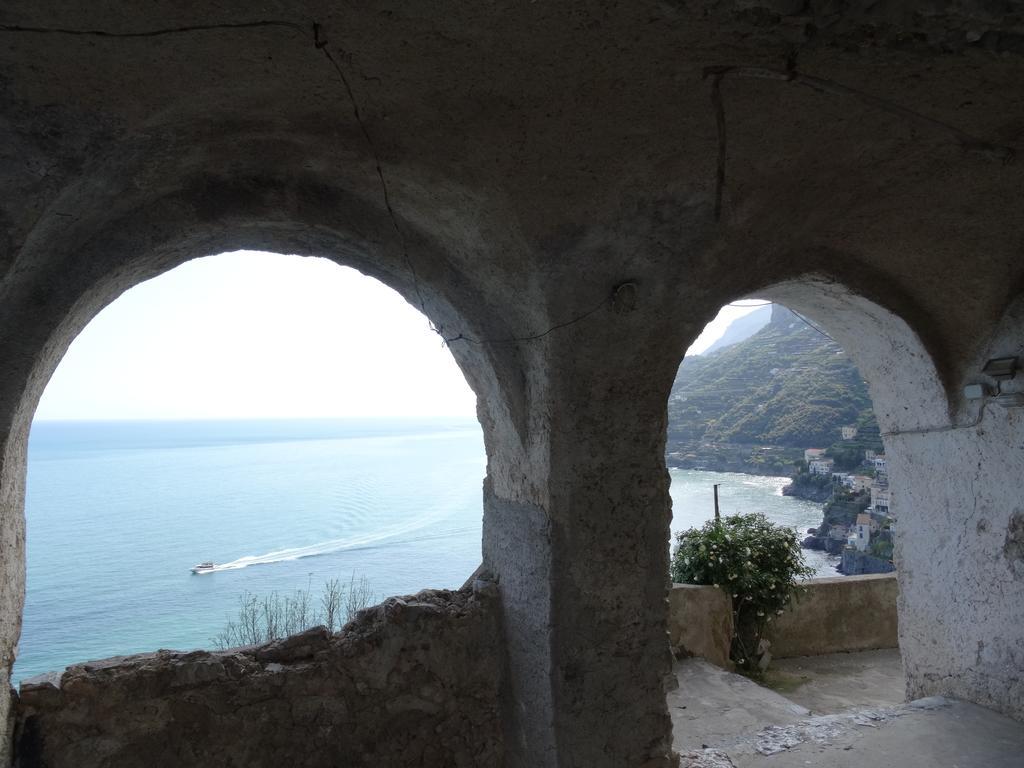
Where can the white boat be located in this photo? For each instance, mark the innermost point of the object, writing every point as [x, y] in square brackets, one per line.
[204, 567]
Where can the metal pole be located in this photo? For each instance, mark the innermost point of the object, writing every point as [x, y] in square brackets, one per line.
[718, 515]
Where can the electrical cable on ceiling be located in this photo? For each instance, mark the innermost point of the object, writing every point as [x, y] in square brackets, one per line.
[813, 326]
[941, 428]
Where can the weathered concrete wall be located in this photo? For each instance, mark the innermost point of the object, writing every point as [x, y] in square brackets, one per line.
[960, 557]
[846, 613]
[962, 580]
[412, 682]
[955, 469]
[700, 622]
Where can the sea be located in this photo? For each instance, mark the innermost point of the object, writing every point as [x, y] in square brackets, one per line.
[118, 512]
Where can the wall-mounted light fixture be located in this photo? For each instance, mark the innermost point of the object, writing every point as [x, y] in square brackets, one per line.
[1001, 368]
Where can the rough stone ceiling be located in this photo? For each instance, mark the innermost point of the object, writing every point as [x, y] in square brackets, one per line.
[538, 143]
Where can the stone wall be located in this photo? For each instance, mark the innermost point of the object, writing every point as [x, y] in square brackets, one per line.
[413, 681]
[700, 622]
[853, 613]
[961, 577]
[846, 613]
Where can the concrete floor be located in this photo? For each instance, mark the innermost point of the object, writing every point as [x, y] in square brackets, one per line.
[837, 682]
[840, 711]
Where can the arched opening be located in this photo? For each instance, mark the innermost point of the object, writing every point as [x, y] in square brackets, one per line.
[773, 402]
[821, 324]
[80, 283]
[288, 419]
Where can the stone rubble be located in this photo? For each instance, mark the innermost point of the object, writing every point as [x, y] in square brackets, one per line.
[705, 758]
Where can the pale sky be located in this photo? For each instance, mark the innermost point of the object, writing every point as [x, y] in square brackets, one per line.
[249, 334]
[726, 315]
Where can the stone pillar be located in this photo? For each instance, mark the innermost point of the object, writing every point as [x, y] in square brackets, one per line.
[21, 373]
[580, 546]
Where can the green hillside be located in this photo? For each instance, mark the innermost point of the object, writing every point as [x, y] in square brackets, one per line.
[765, 399]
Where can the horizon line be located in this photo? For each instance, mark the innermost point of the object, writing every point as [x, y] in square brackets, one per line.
[171, 419]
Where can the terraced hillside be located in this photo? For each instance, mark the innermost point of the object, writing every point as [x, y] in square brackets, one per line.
[755, 405]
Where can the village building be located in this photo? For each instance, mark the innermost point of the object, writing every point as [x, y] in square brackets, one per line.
[849, 433]
[859, 483]
[860, 532]
[810, 454]
[820, 466]
[880, 498]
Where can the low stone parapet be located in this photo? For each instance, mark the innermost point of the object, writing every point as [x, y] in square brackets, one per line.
[700, 622]
[833, 615]
[836, 615]
[413, 681]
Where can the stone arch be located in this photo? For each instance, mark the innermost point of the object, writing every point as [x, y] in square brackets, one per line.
[909, 390]
[906, 388]
[957, 549]
[59, 284]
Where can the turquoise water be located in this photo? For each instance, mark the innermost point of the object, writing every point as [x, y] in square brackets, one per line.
[118, 512]
[693, 503]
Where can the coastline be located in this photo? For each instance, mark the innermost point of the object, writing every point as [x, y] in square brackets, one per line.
[716, 463]
[693, 505]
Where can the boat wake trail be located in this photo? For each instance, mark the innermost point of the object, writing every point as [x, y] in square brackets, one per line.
[392, 535]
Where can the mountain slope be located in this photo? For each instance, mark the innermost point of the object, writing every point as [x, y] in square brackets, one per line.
[741, 328]
[787, 386]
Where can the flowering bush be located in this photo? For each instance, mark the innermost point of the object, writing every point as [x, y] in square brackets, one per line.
[756, 561]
